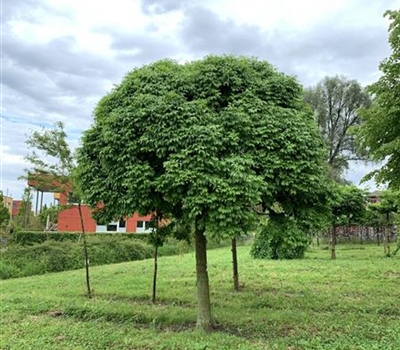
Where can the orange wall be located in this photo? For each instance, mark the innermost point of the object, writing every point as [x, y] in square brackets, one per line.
[16, 207]
[8, 203]
[131, 222]
[69, 220]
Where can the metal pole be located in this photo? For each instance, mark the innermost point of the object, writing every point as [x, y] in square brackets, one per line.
[37, 202]
[41, 201]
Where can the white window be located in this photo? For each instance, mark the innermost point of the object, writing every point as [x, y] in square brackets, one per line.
[115, 226]
[143, 227]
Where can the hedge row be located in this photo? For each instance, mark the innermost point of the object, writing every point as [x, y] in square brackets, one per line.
[38, 237]
[54, 256]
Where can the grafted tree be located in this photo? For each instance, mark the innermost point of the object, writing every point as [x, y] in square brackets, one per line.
[348, 206]
[335, 101]
[207, 140]
[386, 211]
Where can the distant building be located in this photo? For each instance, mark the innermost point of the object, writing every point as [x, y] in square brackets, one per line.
[69, 219]
[16, 207]
[8, 203]
[374, 197]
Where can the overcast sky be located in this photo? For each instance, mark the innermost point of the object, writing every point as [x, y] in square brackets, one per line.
[59, 57]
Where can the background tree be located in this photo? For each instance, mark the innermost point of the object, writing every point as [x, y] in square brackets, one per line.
[379, 133]
[386, 211]
[25, 219]
[373, 220]
[335, 101]
[49, 216]
[348, 207]
[161, 228]
[53, 165]
[4, 214]
[211, 138]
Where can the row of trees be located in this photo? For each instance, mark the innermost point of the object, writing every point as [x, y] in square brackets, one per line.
[214, 145]
[279, 237]
[350, 207]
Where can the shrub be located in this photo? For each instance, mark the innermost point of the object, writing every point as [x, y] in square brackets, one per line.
[280, 238]
[37, 237]
[55, 256]
[56, 252]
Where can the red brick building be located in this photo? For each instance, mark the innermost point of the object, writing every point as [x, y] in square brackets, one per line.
[69, 221]
[374, 197]
[16, 207]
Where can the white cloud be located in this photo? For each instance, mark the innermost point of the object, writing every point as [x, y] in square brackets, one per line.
[60, 57]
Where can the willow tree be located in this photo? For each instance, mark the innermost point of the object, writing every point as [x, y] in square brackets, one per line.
[207, 140]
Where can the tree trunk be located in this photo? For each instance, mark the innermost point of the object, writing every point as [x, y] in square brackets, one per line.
[153, 297]
[333, 243]
[235, 265]
[387, 241]
[397, 248]
[377, 235]
[384, 236]
[387, 235]
[85, 250]
[204, 321]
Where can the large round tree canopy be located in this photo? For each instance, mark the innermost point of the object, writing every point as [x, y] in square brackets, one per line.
[208, 140]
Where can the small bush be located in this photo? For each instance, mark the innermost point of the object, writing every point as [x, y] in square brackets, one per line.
[280, 239]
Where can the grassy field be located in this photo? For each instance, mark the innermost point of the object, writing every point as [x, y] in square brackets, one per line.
[314, 303]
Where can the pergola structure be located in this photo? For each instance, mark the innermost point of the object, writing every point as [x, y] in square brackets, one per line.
[47, 183]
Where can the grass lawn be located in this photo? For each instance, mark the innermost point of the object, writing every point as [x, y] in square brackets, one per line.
[314, 303]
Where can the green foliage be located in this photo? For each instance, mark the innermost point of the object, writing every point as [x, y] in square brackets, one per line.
[49, 213]
[4, 213]
[25, 219]
[60, 252]
[387, 211]
[51, 154]
[348, 205]
[205, 141]
[37, 237]
[53, 170]
[280, 238]
[380, 131]
[335, 101]
[389, 202]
